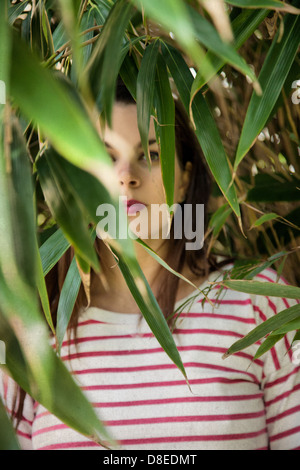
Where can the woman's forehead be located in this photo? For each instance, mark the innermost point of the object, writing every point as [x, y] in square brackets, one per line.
[125, 129]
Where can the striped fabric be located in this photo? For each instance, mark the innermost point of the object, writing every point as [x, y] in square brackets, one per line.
[143, 398]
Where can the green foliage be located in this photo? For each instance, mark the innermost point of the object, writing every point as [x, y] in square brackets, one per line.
[59, 64]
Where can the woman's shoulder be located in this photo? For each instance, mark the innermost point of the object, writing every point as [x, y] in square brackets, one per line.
[214, 291]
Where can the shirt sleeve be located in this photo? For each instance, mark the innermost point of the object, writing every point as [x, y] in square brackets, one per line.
[8, 395]
[281, 376]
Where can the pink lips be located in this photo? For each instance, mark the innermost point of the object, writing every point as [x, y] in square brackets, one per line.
[134, 206]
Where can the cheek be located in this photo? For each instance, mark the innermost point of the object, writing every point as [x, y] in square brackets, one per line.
[153, 183]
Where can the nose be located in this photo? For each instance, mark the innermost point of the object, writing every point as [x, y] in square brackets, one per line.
[129, 177]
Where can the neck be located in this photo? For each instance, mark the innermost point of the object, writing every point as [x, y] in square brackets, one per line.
[111, 278]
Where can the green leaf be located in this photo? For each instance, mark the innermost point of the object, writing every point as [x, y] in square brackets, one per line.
[269, 189]
[8, 439]
[272, 76]
[145, 93]
[42, 289]
[267, 344]
[129, 73]
[262, 330]
[65, 207]
[242, 27]
[67, 301]
[164, 264]
[270, 4]
[60, 117]
[52, 250]
[206, 129]
[210, 38]
[166, 128]
[89, 194]
[264, 288]
[20, 191]
[289, 326]
[218, 219]
[265, 218]
[173, 15]
[54, 386]
[105, 62]
[7, 257]
[16, 10]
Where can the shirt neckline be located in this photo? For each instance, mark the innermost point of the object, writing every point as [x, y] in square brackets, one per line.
[109, 316]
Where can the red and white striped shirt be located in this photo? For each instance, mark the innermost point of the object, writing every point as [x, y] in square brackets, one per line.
[143, 398]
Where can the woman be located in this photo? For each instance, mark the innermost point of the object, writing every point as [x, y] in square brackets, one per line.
[136, 389]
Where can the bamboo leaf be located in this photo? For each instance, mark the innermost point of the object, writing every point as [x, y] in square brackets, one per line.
[103, 68]
[266, 327]
[67, 301]
[20, 191]
[16, 10]
[242, 26]
[52, 250]
[173, 16]
[166, 128]
[267, 344]
[265, 218]
[21, 352]
[219, 218]
[145, 93]
[60, 117]
[272, 77]
[270, 4]
[210, 38]
[66, 209]
[89, 194]
[164, 264]
[7, 256]
[42, 289]
[289, 326]
[206, 130]
[8, 439]
[263, 288]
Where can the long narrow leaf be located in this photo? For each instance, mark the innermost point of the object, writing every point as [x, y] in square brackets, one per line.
[242, 27]
[264, 288]
[166, 128]
[67, 300]
[52, 250]
[270, 4]
[266, 327]
[209, 37]
[60, 117]
[145, 93]
[8, 439]
[289, 326]
[42, 289]
[267, 344]
[104, 65]
[173, 16]
[77, 413]
[65, 208]
[272, 76]
[21, 204]
[206, 130]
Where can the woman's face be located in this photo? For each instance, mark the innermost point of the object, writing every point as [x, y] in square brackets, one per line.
[142, 187]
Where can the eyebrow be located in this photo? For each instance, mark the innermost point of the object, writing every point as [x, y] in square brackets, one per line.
[138, 146]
